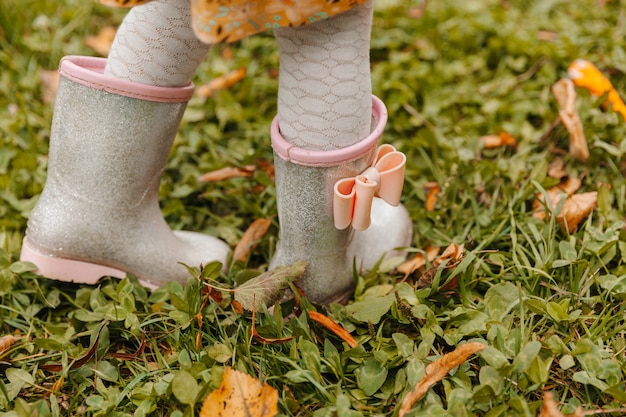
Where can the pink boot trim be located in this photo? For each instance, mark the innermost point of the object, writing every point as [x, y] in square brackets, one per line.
[312, 158]
[88, 71]
[69, 270]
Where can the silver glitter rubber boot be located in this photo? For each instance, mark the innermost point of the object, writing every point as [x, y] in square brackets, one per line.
[99, 214]
[324, 202]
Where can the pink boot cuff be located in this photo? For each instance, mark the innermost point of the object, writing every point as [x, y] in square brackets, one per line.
[88, 71]
[313, 158]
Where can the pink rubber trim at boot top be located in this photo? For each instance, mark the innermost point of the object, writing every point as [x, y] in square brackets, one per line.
[289, 152]
[89, 71]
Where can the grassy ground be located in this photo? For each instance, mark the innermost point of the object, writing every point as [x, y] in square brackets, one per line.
[548, 304]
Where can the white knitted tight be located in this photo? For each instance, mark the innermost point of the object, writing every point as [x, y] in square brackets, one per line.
[324, 98]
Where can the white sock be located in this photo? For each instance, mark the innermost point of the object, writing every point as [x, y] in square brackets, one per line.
[325, 93]
[156, 45]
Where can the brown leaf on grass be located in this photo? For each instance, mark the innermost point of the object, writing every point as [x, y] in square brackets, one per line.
[438, 370]
[432, 189]
[250, 239]
[101, 43]
[263, 339]
[227, 173]
[499, 140]
[334, 327]
[240, 395]
[49, 85]
[6, 342]
[567, 188]
[222, 83]
[550, 409]
[545, 35]
[134, 355]
[556, 169]
[453, 254]
[268, 287]
[565, 94]
[418, 261]
[575, 209]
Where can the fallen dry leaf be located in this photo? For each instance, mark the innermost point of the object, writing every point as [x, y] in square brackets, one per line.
[6, 342]
[240, 395]
[432, 189]
[438, 370]
[250, 239]
[331, 325]
[556, 169]
[80, 361]
[101, 43]
[567, 188]
[453, 253]
[584, 74]
[227, 173]
[545, 35]
[575, 209]
[49, 85]
[268, 287]
[221, 83]
[565, 94]
[418, 261]
[496, 141]
[548, 407]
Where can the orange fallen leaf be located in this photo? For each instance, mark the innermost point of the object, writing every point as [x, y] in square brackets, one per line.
[221, 83]
[331, 325]
[418, 261]
[240, 395]
[431, 198]
[49, 85]
[437, 370]
[101, 43]
[250, 239]
[496, 141]
[565, 94]
[584, 74]
[227, 173]
[567, 188]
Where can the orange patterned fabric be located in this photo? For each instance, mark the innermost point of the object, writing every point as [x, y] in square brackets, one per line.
[216, 21]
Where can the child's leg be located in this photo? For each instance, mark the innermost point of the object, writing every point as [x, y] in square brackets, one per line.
[155, 45]
[325, 133]
[325, 93]
[111, 136]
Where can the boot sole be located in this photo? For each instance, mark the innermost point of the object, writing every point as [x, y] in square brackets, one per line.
[68, 270]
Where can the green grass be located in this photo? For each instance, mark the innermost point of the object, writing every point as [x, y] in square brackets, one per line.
[549, 305]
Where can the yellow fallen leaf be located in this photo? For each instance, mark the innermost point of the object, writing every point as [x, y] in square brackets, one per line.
[565, 94]
[438, 370]
[250, 239]
[241, 395]
[221, 83]
[227, 173]
[101, 43]
[584, 74]
[49, 85]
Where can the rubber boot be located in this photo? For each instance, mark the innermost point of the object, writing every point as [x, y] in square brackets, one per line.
[99, 213]
[323, 197]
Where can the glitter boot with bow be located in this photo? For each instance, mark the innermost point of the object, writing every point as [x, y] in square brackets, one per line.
[99, 214]
[320, 208]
